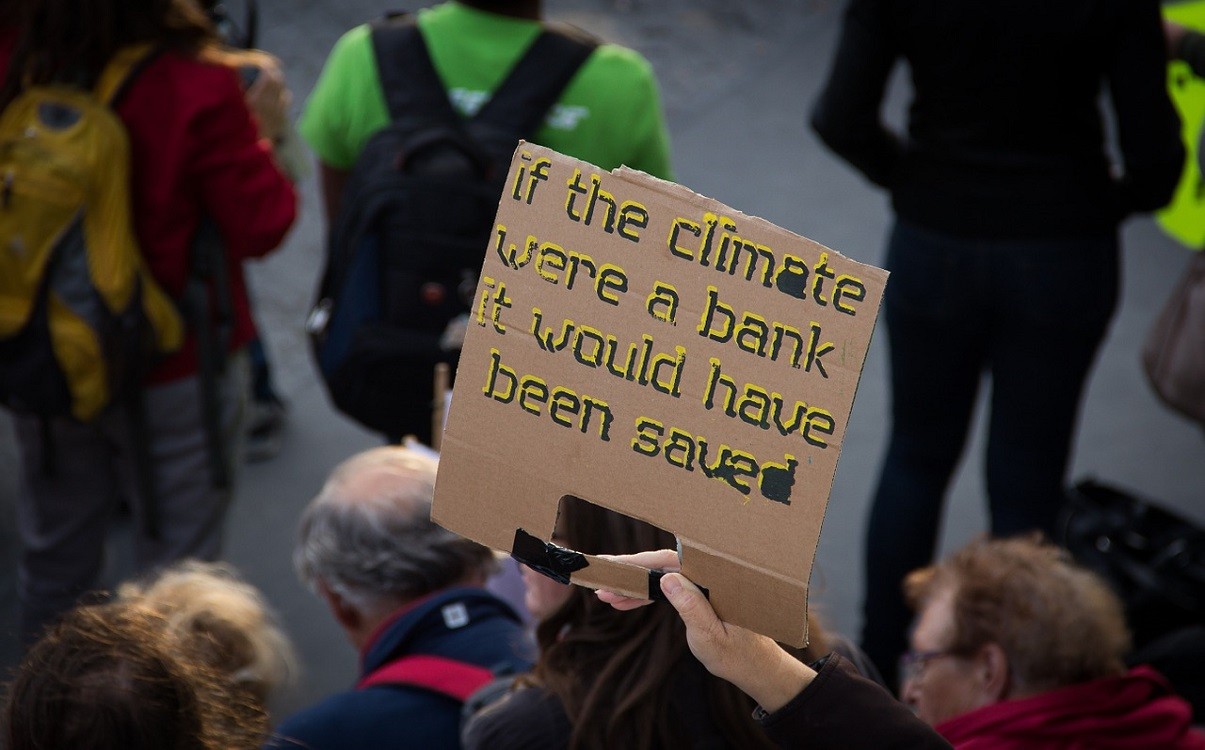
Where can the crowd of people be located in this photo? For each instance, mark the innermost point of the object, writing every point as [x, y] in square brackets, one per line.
[1003, 188]
[1014, 646]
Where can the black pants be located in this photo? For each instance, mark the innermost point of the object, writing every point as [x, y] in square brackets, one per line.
[1027, 314]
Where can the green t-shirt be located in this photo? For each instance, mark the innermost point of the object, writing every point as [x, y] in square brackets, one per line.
[609, 114]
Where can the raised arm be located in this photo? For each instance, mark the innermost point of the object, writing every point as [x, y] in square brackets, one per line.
[831, 707]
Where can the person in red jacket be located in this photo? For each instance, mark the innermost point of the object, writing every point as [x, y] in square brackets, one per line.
[1015, 647]
[197, 152]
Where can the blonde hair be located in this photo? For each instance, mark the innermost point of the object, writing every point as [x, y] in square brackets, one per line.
[221, 620]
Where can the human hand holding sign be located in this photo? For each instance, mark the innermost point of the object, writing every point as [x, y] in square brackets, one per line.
[752, 662]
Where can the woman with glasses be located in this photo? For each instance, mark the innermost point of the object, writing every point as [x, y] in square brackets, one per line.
[1016, 647]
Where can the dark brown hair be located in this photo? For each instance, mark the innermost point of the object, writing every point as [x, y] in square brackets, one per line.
[619, 675]
[70, 41]
[107, 678]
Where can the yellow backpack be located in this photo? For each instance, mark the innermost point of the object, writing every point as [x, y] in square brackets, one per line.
[81, 318]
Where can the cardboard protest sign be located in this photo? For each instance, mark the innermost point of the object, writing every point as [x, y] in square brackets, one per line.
[655, 352]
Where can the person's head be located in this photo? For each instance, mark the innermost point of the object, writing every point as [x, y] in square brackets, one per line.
[214, 615]
[543, 595]
[368, 546]
[72, 40]
[529, 9]
[616, 673]
[1004, 619]
[107, 677]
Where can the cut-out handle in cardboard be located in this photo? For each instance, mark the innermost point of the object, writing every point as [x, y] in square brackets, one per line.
[546, 558]
[560, 564]
[741, 594]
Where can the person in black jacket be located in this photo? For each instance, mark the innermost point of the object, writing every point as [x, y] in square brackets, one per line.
[824, 705]
[607, 679]
[1004, 255]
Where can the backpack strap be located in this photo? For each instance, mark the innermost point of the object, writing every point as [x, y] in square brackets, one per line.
[122, 69]
[409, 80]
[451, 677]
[111, 86]
[411, 84]
[536, 81]
[208, 306]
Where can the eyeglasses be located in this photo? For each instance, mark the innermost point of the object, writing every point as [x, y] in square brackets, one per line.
[912, 663]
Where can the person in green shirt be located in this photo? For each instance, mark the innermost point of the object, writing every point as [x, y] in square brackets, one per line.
[609, 115]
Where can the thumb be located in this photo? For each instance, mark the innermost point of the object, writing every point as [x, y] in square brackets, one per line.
[692, 606]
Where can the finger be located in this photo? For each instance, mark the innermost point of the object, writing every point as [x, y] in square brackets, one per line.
[693, 607]
[270, 71]
[263, 86]
[621, 602]
[662, 559]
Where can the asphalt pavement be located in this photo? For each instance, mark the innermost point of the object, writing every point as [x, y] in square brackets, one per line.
[737, 79]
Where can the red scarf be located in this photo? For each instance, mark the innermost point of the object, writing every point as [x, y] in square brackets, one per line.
[1136, 711]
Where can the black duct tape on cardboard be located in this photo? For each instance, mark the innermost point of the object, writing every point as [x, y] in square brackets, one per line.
[544, 557]
[655, 592]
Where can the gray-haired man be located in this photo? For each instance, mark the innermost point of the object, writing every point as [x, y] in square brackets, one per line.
[409, 596]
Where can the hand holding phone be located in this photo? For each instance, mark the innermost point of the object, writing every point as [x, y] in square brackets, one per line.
[267, 95]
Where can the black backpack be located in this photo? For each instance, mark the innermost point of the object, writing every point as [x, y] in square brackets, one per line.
[1153, 558]
[414, 223]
